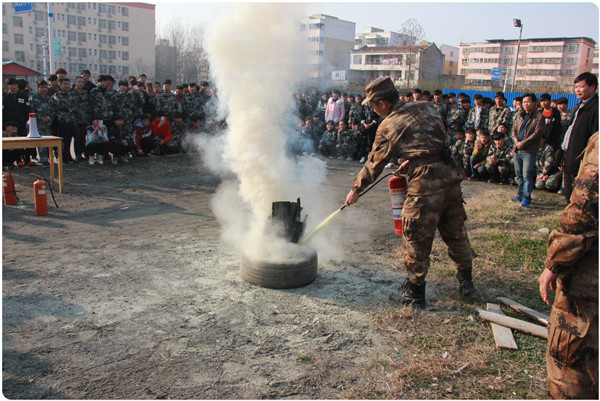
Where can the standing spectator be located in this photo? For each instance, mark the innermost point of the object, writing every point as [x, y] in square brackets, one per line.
[552, 125]
[87, 84]
[572, 270]
[83, 116]
[143, 78]
[102, 99]
[119, 142]
[54, 84]
[527, 134]
[439, 105]
[127, 104]
[456, 116]
[96, 141]
[478, 116]
[335, 108]
[566, 118]
[426, 96]
[585, 123]
[15, 106]
[166, 103]
[65, 118]
[407, 97]
[42, 104]
[60, 73]
[356, 115]
[499, 113]
[417, 95]
[517, 107]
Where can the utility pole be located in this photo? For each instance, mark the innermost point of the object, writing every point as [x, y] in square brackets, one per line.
[44, 48]
[517, 23]
[51, 38]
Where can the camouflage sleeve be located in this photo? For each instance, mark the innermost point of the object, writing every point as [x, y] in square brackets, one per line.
[578, 230]
[548, 163]
[380, 154]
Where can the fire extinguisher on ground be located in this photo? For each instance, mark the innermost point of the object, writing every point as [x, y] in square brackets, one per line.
[8, 189]
[397, 187]
[40, 197]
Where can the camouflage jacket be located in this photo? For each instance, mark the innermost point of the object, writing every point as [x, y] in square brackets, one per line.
[347, 137]
[499, 115]
[126, 105]
[456, 116]
[458, 149]
[544, 161]
[502, 154]
[573, 248]
[65, 108]
[483, 118]
[83, 106]
[193, 105]
[468, 148]
[311, 133]
[356, 114]
[102, 102]
[167, 105]
[411, 131]
[565, 121]
[178, 132]
[43, 107]
[329, 137]
[441, 108]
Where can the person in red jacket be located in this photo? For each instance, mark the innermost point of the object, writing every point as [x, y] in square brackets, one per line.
[161, 129]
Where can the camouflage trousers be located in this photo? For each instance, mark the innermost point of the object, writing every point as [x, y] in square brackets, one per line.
[552, 184]
[572, 353]
[421, 216]
[346, 149]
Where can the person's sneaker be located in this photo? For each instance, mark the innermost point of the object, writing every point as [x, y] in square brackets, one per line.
[390, 165]
[561, 191]
[124, 159]
[114, 160]
[91, 160]
[362, 160]
[517, 199]
[100, 159]
[525, 203]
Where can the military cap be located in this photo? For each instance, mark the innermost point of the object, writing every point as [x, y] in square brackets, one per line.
[378, 88]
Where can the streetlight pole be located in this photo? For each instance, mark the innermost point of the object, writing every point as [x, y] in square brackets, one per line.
[517, 23]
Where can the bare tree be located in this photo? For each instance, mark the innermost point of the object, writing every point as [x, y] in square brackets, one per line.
[415, 34]
[183, 53]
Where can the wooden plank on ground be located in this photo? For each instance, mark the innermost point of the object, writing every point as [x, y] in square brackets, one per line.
[540, 317]
[513, 323]
[502, 335]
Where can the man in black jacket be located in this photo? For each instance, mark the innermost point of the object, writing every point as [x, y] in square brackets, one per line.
[585, 123]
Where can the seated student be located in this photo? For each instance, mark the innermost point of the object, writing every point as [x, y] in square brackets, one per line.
[119, 143]
[327, 145]
[548, 176]
[178, 133]
[468, 150]
[347, 143]
[161, 130]
[458, 148]
[96, 141]
[480, 152]
[311, 133]
[497, 164]
[143, 139]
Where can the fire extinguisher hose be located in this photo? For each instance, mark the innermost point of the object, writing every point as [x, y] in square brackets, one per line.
[308, 236]
[49, 186]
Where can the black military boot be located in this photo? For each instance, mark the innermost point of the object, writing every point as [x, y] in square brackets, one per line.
[466, 287]
[410, 294]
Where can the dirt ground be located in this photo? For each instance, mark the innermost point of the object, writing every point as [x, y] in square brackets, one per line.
[127, 292]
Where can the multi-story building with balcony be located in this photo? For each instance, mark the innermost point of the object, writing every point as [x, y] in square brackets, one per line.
[544, 64]
[330, 41]
[408, 66]
[106, 38]
[375, 37]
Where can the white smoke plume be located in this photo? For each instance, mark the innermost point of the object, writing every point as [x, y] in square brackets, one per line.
[257, 56]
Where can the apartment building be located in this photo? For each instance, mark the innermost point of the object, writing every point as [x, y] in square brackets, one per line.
[408, 66]
[450, 59]
[106, 38]
[330, 41]
[544, 63]
[375, 37]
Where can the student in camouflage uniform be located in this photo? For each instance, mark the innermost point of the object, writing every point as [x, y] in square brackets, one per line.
[415, 132]
[126, 103]
[572, 269]
[518, 106]
[347, 142]
[468, 148]
[547, 172]
[357, 113]
[458, 148]
[566, 118]
[102, 98]
[497, 165]
[193, 104]
[439, 105]
[178, 133]
[42, 104]
[83, 116]
[456, 116]
[499, 113]
[120, 143]
[478, 116]
[327, 145]
[166, 103]
[65, 117]
[311, 133]
[480, 153]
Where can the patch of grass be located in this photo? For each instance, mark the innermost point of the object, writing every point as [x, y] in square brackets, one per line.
[518, 251]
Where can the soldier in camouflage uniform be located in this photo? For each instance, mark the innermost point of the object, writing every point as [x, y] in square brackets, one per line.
[65, 117]
[548, 176]
[572, 268]
[166, 102]
[439, 105]
[415, 132]
[478, 116]
[83, 116]
[456, 115]
[102, 98]
[328, 142]
[42, 104]
[347, 142]
[499, 113]
[498, 162]
[125, 103]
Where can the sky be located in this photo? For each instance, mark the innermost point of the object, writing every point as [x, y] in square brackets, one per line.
[449, 23]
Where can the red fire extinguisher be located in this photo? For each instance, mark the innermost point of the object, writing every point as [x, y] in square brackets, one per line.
[40, 198]
[397, 196]
[8, 189]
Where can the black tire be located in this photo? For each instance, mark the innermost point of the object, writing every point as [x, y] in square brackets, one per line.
[279, 275]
